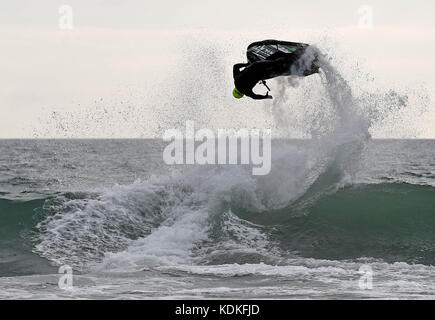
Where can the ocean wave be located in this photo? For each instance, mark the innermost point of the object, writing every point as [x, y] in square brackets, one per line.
[394, 222]
[308, 206]
[17, 220]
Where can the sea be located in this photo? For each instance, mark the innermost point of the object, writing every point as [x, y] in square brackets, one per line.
[127, 226]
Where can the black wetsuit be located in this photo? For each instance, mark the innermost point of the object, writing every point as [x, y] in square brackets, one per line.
[253, 73]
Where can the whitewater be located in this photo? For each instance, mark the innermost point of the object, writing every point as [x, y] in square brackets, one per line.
[334, 205]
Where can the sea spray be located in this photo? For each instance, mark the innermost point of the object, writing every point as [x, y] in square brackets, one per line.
[332, 117]
[171, 219]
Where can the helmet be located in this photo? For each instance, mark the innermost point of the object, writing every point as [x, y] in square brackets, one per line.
[237, 94]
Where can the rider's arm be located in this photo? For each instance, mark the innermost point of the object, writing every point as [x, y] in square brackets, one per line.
[237, 67]
[258, 96]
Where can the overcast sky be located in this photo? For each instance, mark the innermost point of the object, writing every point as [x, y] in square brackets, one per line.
[106, 73]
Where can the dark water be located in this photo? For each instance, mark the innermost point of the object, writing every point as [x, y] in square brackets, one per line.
[125, 221]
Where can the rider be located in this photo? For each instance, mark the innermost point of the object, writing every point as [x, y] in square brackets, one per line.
[245, 80]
